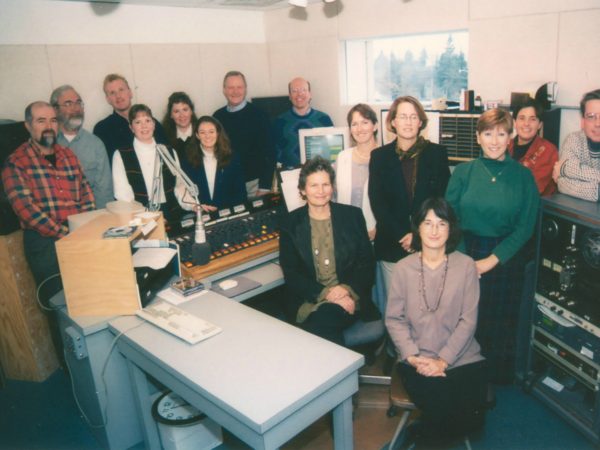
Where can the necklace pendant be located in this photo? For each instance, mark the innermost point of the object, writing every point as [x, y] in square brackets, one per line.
[493, 179]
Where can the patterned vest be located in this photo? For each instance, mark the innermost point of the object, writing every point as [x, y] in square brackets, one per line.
[171, 209]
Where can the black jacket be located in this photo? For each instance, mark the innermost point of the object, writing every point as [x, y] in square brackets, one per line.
[355, 264]
[389, 199]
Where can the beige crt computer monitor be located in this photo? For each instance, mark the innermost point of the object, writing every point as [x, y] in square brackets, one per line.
[327, 142]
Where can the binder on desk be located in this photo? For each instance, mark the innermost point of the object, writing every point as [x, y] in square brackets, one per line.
[99, 278]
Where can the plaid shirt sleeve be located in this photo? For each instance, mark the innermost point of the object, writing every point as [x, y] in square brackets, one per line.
[23, 203]
[88, 202]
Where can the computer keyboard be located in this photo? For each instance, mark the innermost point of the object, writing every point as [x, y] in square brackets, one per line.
[178, 322]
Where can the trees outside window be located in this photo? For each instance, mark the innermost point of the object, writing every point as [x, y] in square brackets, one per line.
[425, 66]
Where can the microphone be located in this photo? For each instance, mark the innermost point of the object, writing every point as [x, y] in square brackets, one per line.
[200, 248]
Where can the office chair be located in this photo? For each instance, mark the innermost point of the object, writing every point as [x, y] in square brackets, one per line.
[400, 400]
[367, 338]
[370, 338]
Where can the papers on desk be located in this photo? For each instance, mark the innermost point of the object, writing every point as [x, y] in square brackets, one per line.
[155, 258]
[289, 188]
[174, 298]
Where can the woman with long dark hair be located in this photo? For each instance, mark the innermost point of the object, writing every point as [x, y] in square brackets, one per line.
[212, 166]
[179, 121]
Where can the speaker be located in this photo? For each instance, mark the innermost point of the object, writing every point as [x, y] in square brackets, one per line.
[12, 135]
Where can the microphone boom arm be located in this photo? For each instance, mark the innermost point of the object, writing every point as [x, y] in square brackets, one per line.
[177, 172]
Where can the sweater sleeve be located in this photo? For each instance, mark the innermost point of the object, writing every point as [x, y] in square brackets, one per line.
[586, 190]
[460, 339]
[396, 319]
[526, 218]
[543, 165]
[574, 167]
[121, 187]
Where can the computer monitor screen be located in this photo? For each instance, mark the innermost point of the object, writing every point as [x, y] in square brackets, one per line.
[326, 142]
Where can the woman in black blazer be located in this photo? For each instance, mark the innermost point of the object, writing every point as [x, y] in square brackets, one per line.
[402, 175]
[326, 258]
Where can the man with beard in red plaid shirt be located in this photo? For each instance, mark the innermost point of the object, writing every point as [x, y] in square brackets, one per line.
[45, 184]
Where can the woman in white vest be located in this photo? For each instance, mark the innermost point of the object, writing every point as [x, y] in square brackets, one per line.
[352, 165]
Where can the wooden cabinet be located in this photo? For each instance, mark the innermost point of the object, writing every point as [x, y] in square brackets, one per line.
[97, 274]
[26, 348]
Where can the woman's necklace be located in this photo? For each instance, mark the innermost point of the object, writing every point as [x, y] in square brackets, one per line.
[360, 156]
[424, 291]
[493, 177]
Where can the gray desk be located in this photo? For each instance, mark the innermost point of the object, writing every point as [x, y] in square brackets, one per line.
[113, 401]
[109, 406]
[262, 379]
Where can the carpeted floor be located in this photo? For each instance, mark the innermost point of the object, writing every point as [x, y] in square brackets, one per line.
[45, 416]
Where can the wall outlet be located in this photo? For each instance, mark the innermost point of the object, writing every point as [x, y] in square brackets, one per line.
[75, 344]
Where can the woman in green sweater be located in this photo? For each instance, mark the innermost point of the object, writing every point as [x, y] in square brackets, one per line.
[496, 200]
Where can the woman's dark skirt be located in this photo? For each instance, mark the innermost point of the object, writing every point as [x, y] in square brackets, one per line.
[499, 303]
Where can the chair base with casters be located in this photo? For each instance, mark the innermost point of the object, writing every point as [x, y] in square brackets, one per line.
[400, 400]
[367, 338]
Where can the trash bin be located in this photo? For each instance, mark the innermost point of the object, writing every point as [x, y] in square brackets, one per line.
[183, 427]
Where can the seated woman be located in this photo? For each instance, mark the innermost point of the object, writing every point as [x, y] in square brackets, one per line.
[431, 317]
[352, 164]
[326, 258]
[210, 164]
[133, 168]
[179, 121]
[534, 152]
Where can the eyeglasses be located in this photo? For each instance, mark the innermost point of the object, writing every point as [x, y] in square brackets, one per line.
[299, 91]
[411, 118]
[70, 104]
[591, 117]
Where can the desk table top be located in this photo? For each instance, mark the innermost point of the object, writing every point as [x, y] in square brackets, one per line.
[258, 369]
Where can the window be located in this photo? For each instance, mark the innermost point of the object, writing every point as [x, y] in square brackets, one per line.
[425, 66]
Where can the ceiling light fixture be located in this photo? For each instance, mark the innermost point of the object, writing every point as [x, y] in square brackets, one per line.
[304, 3]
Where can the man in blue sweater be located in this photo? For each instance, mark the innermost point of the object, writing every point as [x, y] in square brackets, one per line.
[300, 116]
[248, 128]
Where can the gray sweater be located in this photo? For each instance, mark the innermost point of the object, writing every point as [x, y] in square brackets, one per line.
[449, 331]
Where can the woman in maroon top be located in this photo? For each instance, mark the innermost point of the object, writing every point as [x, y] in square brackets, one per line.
[534, 152]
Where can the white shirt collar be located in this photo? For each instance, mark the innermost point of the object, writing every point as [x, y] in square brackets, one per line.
[183, 135]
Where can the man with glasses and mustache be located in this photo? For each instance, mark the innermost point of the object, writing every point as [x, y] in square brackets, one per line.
[44, 184]
[577, 172]
[89, 148]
